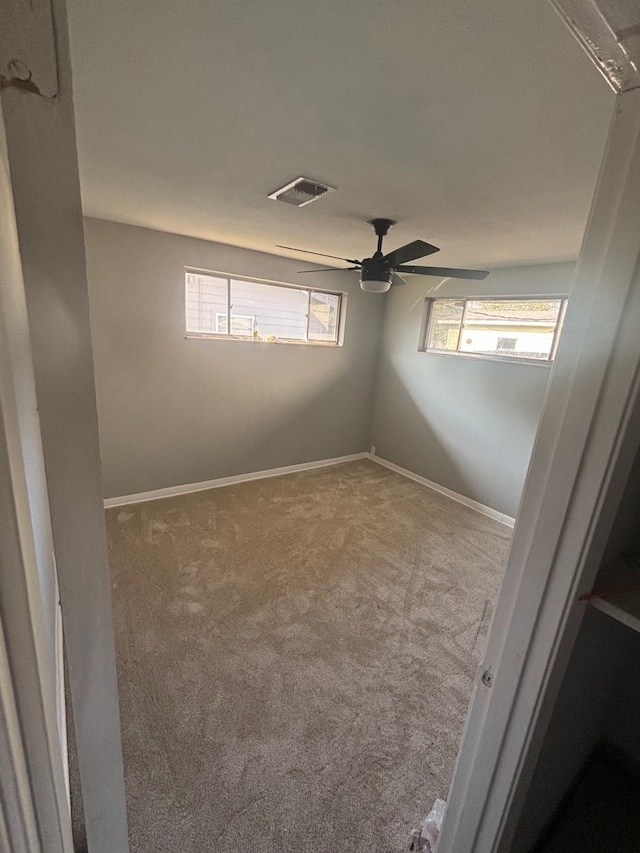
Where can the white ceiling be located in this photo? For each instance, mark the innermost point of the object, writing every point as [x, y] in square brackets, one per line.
[478, 126]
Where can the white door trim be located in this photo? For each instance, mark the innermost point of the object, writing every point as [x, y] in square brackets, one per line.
[41, 148]
[33, 794]
[558, 535]
[18, 821]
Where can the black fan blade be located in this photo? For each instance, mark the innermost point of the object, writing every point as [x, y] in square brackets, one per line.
[444, 272]
[397, 279]
[330, 269]
[322, 254]
[417, 249]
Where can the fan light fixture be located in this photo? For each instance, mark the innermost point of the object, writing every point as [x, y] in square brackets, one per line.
[376, 285]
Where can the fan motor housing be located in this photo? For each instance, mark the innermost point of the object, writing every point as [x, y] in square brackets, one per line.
[374, 276]
[372, 271]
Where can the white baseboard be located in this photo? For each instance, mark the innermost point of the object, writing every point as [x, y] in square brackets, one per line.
[172, 491]
[461, 499]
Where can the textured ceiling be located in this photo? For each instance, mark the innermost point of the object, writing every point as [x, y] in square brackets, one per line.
[478, 126]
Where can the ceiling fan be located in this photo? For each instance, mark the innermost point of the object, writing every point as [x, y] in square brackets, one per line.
[379, 272]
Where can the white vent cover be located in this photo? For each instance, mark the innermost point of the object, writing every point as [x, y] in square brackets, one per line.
[301, 191]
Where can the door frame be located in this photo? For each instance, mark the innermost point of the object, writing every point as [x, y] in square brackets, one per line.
[39, 129]
[572, 489]
[34, 805]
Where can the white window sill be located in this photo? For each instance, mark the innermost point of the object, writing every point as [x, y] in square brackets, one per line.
[246, 340]
[477, 356]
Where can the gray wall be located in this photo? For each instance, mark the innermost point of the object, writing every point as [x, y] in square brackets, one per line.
[468, 424]
[173, 410]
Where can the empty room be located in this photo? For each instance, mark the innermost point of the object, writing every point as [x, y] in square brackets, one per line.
[329, 252]
[299, 651]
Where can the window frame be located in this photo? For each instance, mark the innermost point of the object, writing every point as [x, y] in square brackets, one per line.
[223, 336]
[508, 359]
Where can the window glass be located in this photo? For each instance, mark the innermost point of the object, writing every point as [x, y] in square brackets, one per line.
[260, 310]
[324, 309]
[276, 312]
[206, 302]
[510, 328]
[444, 324]
[239, 325]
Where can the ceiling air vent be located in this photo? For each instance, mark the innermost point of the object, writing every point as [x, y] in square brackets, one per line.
[301, 191]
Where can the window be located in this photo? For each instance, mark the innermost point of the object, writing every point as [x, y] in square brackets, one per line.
[221, 306]
[516, 329]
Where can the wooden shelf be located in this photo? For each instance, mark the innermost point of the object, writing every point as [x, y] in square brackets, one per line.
[623, 574]
[624, 607]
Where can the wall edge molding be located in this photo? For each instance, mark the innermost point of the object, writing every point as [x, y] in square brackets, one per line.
[188, 488]
[502, 517]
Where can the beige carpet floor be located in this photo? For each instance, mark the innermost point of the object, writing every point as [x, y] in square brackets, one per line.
[295, 659]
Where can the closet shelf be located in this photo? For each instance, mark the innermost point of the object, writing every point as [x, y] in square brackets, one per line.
[619, 585]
